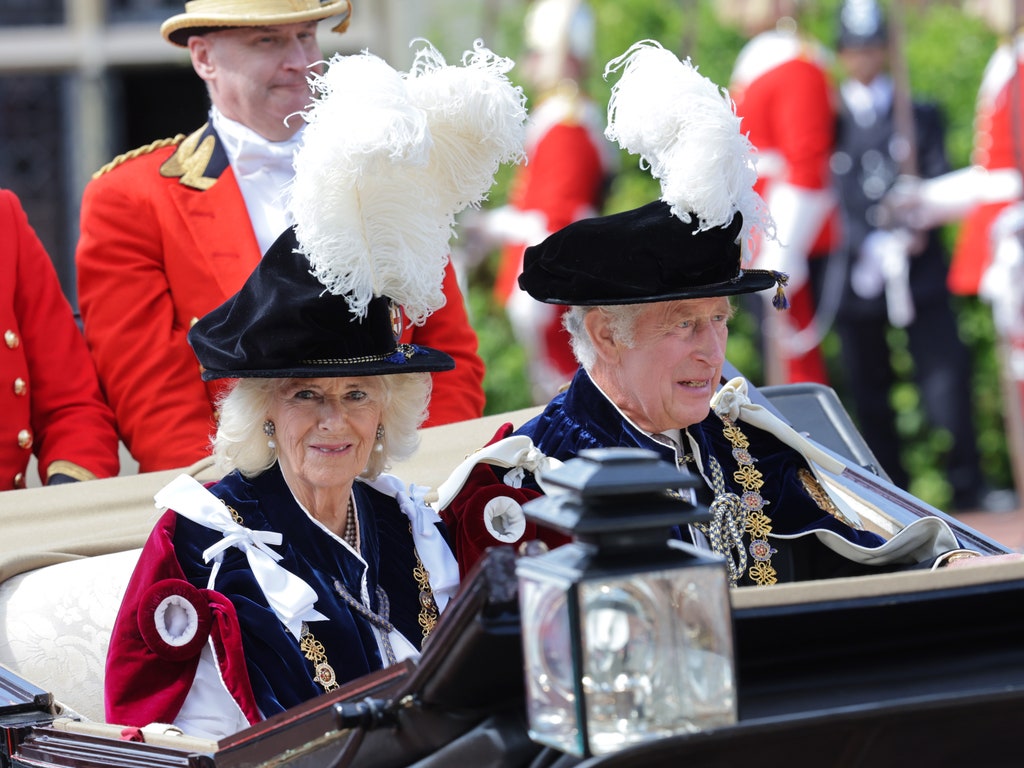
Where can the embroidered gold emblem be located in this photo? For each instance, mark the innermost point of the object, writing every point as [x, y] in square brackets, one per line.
[190, 161]
[428, 606]
[813, 489]
[314, 650]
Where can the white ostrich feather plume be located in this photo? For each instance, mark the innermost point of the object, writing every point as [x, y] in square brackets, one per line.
[476, 116]
[686, 131]
[387, 161]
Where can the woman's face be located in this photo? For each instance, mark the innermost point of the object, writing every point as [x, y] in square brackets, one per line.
[325, 430]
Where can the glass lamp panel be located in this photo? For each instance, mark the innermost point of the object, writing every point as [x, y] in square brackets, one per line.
[657, 656]
[551, 690]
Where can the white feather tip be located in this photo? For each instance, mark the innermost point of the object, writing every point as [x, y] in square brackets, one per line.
[387, 161]
[685, 129]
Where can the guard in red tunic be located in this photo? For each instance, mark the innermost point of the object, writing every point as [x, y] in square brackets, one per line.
[997, 146]
[988, 260]
[172, 230]
[784, 97]
[569, 164]
[50, 399]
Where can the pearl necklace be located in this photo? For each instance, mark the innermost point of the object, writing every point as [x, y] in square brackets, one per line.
[352, 526]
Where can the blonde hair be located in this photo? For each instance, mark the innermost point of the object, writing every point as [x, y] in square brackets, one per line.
[240, 443]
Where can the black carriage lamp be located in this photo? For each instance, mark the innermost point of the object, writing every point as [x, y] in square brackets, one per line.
[627, 632]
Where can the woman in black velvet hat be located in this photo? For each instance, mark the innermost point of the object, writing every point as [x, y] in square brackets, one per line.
[308, 565]
[649, 294]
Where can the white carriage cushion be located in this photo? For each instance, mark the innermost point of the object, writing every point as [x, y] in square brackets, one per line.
[55, 625]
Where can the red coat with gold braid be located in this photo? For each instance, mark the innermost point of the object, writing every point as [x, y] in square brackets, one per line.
[50, 400]
[996, 146]
[568, 166]
[166, 238]
[785, 101]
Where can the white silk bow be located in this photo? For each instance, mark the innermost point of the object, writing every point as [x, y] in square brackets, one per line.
[268, 157]
[732, 402]
[289, 597]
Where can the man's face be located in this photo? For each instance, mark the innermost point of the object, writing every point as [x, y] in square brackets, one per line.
[666, 379]
[257, 75]
[865, 62]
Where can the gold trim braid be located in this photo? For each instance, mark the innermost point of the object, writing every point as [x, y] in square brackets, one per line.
[62, 467]
[138, 152]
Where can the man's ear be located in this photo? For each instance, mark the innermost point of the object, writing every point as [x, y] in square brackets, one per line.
[599, 328]
[199, 50]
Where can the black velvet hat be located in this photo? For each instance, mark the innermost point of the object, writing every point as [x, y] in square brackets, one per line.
[284, 324]
[694, 240]
[639, 256]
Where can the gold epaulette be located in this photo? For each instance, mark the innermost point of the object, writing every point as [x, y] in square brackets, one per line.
[138, 152]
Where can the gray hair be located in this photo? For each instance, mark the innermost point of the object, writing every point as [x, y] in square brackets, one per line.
[241, 444]
[621, 318]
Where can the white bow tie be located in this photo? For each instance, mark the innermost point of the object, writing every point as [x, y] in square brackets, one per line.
[254, 157]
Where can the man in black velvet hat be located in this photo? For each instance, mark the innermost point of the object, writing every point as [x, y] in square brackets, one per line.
[649, 293]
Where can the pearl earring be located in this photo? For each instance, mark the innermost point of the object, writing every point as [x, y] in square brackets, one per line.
[380, 439]
[269, 430]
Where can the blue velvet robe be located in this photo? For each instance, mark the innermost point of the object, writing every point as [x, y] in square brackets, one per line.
[582, 417]
[280, 674]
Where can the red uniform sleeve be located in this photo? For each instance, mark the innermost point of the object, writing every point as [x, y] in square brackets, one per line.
[457, 394]
[70, 421]
[148, 371]
[563, 179]
[564, 176]
[803, 120]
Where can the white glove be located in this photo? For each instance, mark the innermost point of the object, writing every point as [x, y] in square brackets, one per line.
[799, 215]
[924, 204]
[505, 519]
[1001, 282]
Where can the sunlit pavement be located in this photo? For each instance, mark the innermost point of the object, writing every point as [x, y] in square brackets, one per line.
[1004, 527]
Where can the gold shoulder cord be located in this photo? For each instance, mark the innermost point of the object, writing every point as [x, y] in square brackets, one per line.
[138, 152]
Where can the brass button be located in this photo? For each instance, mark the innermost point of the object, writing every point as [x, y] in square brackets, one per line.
[19, 480]
[20, 386]
[11, 339]
[193, 321]
[25, 439]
